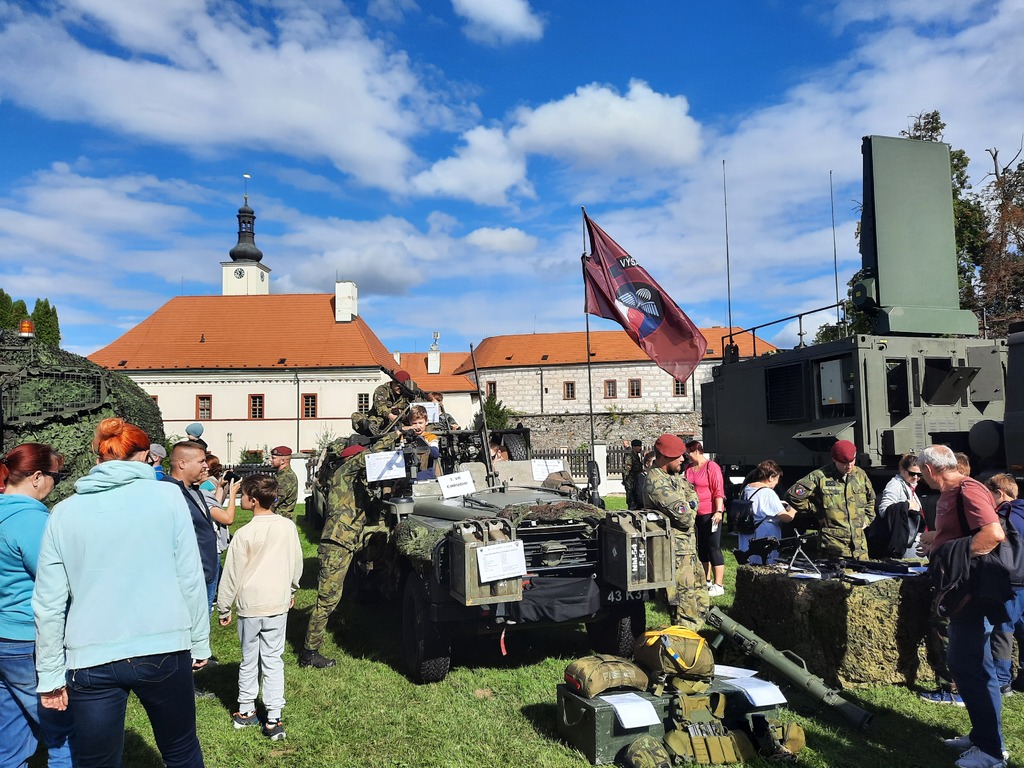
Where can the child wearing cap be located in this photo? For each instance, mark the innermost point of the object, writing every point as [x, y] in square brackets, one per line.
[261, 575]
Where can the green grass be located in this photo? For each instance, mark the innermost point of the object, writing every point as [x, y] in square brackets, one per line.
[491, 711]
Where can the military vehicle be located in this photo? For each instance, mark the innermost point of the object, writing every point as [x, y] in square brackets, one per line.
[48, 395]
[922, 376]
[486, 548]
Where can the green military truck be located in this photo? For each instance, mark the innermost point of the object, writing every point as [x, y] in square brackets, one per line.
[922, 375]
[486, 548]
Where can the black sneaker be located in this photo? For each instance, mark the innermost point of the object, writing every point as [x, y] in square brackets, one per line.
[308, 658]
[1006, 690]
[245, 719]
[274, 730]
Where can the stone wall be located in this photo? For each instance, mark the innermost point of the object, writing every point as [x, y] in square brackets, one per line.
[571, 430]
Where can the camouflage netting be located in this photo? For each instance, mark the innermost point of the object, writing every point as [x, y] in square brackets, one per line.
[417, 542]
[56, 397]
[852, 636]
[557, 510]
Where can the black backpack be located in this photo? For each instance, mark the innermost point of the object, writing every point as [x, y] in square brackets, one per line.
[741, 514]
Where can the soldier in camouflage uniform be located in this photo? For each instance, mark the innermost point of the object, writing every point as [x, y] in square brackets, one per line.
[388, 403]
[632, 475]
[347, 503]
[841, 498]
[287, 482]
[666, 490]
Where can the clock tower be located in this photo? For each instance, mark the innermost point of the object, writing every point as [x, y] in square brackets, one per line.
[244, 275]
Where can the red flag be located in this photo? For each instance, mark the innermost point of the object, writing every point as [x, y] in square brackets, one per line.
[619, 289]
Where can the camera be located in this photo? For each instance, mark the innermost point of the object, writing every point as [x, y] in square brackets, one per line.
[231, 476]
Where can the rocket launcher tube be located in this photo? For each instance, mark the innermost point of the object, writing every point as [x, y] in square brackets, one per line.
[789, 665]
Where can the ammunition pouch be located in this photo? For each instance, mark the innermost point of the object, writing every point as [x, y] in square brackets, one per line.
[698, 735]
[592, 675]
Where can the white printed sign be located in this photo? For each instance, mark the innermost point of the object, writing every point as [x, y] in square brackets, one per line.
[385, 465]
[506, 560]
[456, 484]
[433, 411]
[544, 467]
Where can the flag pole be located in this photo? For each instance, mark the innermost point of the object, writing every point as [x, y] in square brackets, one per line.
[595, 497]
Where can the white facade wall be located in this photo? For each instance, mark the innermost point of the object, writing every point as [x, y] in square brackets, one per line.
[540, 390]
[230, 430]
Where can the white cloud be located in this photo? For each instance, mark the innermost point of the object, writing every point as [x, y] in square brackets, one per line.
[503, 240]
[322, 89]
[596, 127]
[485, 168]
[499, 22]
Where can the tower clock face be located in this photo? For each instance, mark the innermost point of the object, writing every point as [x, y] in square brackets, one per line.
[239, 273]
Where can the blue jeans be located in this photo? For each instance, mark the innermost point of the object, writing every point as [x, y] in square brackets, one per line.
[1002, 637]
[163, 684]
[24, 720]
[970, 662]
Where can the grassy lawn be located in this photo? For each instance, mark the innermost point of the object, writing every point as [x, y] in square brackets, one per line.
[492, 710]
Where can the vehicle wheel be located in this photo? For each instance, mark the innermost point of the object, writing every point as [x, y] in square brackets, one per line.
[516, 446]
[618, 633]
[427, 645]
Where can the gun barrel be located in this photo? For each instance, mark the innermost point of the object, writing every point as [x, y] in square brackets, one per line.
[789, 665]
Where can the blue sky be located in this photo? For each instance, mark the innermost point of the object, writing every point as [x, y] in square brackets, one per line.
[438, 152]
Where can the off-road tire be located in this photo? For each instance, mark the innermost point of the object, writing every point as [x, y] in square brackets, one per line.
[618, 633]
[426, 644]
[516, 446]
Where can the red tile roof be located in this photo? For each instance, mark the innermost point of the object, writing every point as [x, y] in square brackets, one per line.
[218, 332]
[445, 381]
[539, 349]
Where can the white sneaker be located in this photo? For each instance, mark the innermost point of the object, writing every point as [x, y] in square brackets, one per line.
[963, 744]
[975, 758]
[716, 590]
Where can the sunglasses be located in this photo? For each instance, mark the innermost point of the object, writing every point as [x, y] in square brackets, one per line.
[57, 476]
[913, 474]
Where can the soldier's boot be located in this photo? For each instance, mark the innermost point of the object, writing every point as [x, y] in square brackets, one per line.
[308, 658]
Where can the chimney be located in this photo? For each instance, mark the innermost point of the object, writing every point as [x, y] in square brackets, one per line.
[346, 301]
[434, 356]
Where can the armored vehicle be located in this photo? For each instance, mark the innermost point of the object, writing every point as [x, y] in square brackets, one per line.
[48, 395]
[923, 375]
[486, 548]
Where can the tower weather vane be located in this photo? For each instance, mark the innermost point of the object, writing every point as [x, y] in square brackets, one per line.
[245, 186]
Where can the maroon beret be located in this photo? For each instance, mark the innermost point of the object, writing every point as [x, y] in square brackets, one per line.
[281, 450]
[844, 451]
[351, 451]
[402, 376]
[670, 446]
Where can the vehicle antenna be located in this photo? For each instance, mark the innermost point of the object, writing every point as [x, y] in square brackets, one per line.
[835, 250]
[728, 274]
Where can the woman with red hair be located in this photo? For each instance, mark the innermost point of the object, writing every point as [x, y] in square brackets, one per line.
[27, 476]
[120, 605]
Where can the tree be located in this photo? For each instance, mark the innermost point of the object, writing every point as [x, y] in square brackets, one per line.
[47, 325]
[970, 223]
[1002, 268]
[6, 311]
[19, 311]
[498, 416]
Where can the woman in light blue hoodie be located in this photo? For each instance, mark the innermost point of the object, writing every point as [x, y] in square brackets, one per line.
[120, 605]
[27, 476]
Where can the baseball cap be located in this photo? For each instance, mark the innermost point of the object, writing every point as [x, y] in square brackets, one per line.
[157, 450]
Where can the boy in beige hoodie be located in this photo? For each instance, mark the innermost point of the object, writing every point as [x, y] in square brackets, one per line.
[261, 574]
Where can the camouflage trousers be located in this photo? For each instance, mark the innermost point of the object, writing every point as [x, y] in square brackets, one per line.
[688, 599]
[334, 564]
